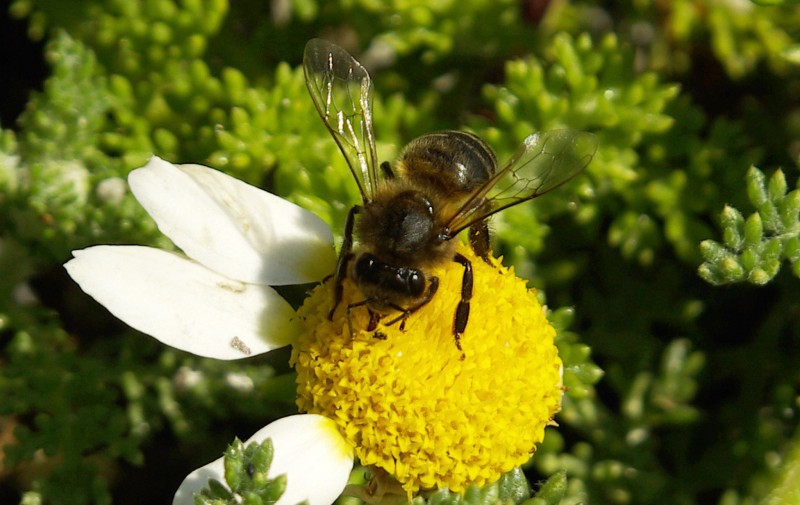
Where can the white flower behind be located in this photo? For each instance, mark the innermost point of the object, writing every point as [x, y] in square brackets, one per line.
[307, 448]
[232, 228]
[216, 301]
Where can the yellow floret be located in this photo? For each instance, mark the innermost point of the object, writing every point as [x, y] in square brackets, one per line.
[407, 400]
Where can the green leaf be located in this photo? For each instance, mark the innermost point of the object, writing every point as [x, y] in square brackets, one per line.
[513, 487]
[753, 230]
[246, 471]
[755, 187]
[754, 250]
[552, 491]
[733, 227]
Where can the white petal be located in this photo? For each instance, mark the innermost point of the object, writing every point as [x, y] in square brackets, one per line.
[308, 449]
[182, 303]
[233, 228]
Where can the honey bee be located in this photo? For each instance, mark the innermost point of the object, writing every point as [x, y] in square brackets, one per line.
[441, 184]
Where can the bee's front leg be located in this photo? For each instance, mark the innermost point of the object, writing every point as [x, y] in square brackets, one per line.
[345, 256]
[407, 311]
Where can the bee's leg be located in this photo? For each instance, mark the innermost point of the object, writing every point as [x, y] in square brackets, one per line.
[462, 310]
[479, 239]
[406, 312]
[372, 315]
[338, 286]
[345, 255]
[387, 170]
[374, 318]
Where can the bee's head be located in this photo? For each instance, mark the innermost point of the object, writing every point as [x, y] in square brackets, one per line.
[387, 285]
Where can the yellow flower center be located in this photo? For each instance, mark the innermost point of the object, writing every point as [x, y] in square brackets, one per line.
[406, 399]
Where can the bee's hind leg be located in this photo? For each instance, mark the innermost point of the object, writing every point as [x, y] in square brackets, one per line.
[462, 309]
[479, 240]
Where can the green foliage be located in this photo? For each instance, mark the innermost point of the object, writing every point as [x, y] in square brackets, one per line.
[785, 489]
[511, 488]
[246, 471]
[76, 429]
[653, 401]
[676, 391]
[439, 30]
[754, 248]
[580, 373]
[586, 86]
[740, 35]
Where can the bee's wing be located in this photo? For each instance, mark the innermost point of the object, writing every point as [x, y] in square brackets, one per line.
[543, 162]
[342, 93]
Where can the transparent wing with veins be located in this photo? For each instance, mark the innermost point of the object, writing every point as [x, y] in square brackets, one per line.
[543, 162]
[342, 93]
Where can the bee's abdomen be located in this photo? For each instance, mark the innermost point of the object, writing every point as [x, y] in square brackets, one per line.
[451, 161]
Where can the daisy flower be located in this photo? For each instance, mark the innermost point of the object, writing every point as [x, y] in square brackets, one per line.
[405, 402]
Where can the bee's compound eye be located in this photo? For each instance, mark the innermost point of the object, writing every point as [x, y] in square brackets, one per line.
[365, 267]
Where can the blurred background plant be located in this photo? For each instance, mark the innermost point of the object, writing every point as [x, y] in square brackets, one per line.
[697, 107]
